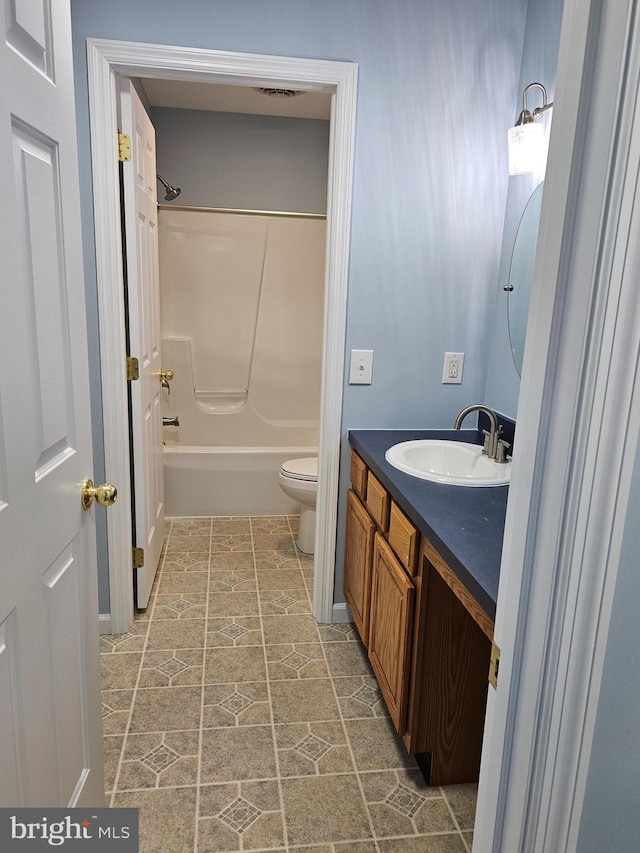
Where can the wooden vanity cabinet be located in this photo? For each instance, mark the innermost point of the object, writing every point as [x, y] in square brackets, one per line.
[378, 585]
[429, 641]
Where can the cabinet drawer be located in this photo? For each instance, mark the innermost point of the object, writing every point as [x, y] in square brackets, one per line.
[358, 476]
[378, 502]
[403, 538]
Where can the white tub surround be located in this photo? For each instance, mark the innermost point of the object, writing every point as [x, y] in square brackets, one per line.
[242, 316]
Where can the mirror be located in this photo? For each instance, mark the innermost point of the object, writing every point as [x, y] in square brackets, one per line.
[518, 289]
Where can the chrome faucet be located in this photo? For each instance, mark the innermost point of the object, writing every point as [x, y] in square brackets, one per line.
[165, 385]
[170, 422]
[494, 446]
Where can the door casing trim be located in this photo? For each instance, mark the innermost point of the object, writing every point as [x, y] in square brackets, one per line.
[109, 59]
[578, 430]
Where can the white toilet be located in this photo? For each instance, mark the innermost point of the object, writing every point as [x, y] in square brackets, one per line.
[298, 479]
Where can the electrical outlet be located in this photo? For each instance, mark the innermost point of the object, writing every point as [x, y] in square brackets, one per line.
[452, 368]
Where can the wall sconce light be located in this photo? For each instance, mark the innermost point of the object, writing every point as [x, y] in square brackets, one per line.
[526, 138]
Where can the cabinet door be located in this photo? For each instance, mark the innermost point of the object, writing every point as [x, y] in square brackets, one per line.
[390, 628]
[357, 563]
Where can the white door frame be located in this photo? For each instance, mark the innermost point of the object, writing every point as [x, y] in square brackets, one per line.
[108, 59]
[578, 430]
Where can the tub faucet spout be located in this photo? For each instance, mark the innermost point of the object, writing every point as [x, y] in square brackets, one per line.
[170, 422]
[492, 439]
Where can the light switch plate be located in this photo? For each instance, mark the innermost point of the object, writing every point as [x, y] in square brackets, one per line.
[361, 367]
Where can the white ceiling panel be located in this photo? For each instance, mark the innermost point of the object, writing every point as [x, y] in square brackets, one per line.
[186, 95]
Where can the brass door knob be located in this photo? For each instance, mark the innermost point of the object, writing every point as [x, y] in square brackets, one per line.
[166, 375]
[105, 495]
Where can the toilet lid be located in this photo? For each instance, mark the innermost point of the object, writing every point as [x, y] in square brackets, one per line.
[301, 469]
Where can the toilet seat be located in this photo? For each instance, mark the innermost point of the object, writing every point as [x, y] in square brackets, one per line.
[301, 469]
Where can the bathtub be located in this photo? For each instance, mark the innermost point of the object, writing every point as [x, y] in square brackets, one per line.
[223, 481]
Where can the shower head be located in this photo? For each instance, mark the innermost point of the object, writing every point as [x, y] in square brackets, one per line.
[172, 192]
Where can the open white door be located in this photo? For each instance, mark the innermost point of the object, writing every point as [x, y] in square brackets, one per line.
[143, 288]
[51, 732]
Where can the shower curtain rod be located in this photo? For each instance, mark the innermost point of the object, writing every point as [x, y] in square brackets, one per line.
[244, 212]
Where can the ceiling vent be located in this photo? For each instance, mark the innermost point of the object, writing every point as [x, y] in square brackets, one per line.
[277, 93]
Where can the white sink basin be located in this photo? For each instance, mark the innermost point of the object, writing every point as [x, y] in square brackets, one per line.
[454, 462]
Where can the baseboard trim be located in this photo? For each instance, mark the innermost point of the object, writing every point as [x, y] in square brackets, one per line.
[341, 613]
[104, 621]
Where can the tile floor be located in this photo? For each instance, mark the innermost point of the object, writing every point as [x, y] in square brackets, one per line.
[235, 722]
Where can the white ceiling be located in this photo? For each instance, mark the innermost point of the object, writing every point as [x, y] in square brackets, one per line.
[186, 95]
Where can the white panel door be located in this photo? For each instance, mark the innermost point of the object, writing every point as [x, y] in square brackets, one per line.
[50, 730]
[143, 287]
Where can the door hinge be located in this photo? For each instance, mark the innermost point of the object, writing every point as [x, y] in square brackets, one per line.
[494, 665]
[133, 369]
[124, 147]
[138, 558]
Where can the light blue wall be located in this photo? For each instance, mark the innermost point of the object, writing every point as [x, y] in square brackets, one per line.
[437, 87]
[539, 63]
[243, 161]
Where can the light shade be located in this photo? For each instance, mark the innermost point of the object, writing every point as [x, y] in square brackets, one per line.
[526, 148]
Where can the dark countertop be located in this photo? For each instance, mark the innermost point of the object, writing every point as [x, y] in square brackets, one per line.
[464, 524]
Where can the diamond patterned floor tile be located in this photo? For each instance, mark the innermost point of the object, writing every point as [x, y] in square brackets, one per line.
[405, 801]
[160, 758]
[229, 660]
[240, 815]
